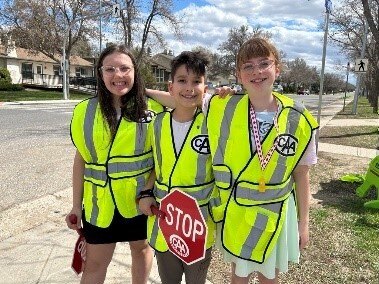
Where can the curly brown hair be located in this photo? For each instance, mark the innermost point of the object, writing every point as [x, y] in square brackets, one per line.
[133, 103]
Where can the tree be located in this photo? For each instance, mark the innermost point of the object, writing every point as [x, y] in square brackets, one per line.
[299, 74]
[347, 32]
[139, 23]
[41, 25]
[369, 11]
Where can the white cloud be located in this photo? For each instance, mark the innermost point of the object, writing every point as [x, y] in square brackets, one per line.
[296, 26]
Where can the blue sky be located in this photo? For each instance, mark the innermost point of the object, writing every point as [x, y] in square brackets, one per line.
[296, 26]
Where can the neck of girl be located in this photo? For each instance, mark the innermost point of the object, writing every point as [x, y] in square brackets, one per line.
[265, 102]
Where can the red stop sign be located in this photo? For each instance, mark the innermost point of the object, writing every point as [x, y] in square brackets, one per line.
[183, 227]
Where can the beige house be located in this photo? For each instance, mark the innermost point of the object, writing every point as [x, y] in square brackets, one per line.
[34, 68]
[161, 67]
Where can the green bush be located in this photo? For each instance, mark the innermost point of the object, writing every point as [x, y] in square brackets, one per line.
[5, 76]
[7, 86]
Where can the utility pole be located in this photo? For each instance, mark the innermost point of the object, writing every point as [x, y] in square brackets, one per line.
[66, 89]
[347, 81]
[328, 6]
[100, 39]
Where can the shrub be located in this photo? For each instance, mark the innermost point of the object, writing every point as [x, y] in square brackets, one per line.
[7, 86]
[5, 76]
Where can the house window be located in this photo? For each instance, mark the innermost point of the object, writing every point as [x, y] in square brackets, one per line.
[159, 75]
[84, 71]
[57, 70]
[39, 69]
[27, 70]
[79, 72]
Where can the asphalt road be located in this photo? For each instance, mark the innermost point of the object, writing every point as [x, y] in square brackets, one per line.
[36, 152]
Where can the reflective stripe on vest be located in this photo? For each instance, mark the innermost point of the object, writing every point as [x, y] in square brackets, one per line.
[258, 232]
[200, 192]
[97, 174]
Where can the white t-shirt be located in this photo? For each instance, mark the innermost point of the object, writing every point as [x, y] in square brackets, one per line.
[265, 121]
[180, 130]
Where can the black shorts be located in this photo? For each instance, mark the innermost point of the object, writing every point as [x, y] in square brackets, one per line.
[120, 230]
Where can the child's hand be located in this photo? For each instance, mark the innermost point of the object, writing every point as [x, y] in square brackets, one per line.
[303, 235]
[144, 205]
[224, 91]
[73, 219]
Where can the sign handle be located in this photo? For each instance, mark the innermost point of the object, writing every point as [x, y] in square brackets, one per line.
[157, 212]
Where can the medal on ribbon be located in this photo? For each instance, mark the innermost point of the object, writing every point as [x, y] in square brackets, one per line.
[263, 161]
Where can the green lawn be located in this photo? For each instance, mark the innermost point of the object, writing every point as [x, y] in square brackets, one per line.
[364, 110]
[356, 136]
[35, 95]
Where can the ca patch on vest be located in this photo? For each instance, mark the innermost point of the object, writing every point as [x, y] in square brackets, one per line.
[287, 144]
[200, 144]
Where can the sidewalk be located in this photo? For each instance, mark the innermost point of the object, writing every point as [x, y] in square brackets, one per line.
[326, 119]
[36, 246]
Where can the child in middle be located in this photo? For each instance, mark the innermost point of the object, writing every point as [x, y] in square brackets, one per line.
[182, 161]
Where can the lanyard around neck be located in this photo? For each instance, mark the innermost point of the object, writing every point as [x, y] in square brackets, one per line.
[263, 161]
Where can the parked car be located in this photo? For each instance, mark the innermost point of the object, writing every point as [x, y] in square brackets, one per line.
[303, 92]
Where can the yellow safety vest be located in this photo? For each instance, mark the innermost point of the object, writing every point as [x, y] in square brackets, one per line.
[253, 220]
[189, 170]
[115, 171]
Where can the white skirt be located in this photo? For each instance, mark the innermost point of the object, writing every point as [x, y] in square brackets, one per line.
[286, 249]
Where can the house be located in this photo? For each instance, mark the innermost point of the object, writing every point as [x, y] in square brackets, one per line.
[29, 67]
[161, 68]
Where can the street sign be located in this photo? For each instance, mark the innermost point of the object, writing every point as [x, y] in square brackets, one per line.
[116, 10]
[361, 65]
[183, 227]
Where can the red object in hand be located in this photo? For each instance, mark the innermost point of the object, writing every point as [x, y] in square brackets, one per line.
[157, 212]
[73, 220]
[79, 257]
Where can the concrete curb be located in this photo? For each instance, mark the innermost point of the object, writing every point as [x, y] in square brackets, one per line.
[347, 150]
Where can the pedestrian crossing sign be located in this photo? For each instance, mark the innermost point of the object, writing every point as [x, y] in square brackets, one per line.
[116, 10]
[361, 65]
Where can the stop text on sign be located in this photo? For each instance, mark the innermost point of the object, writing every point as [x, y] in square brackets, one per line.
[184, 222]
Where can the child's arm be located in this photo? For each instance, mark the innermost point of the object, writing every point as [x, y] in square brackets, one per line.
[77, 191]
[303, 195]
[162, 97]
[145, 201]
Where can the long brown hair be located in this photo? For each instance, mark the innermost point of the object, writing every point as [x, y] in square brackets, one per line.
[133, 103]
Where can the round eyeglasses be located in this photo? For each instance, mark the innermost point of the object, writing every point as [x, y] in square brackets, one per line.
[111, 70]
[262, 66]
